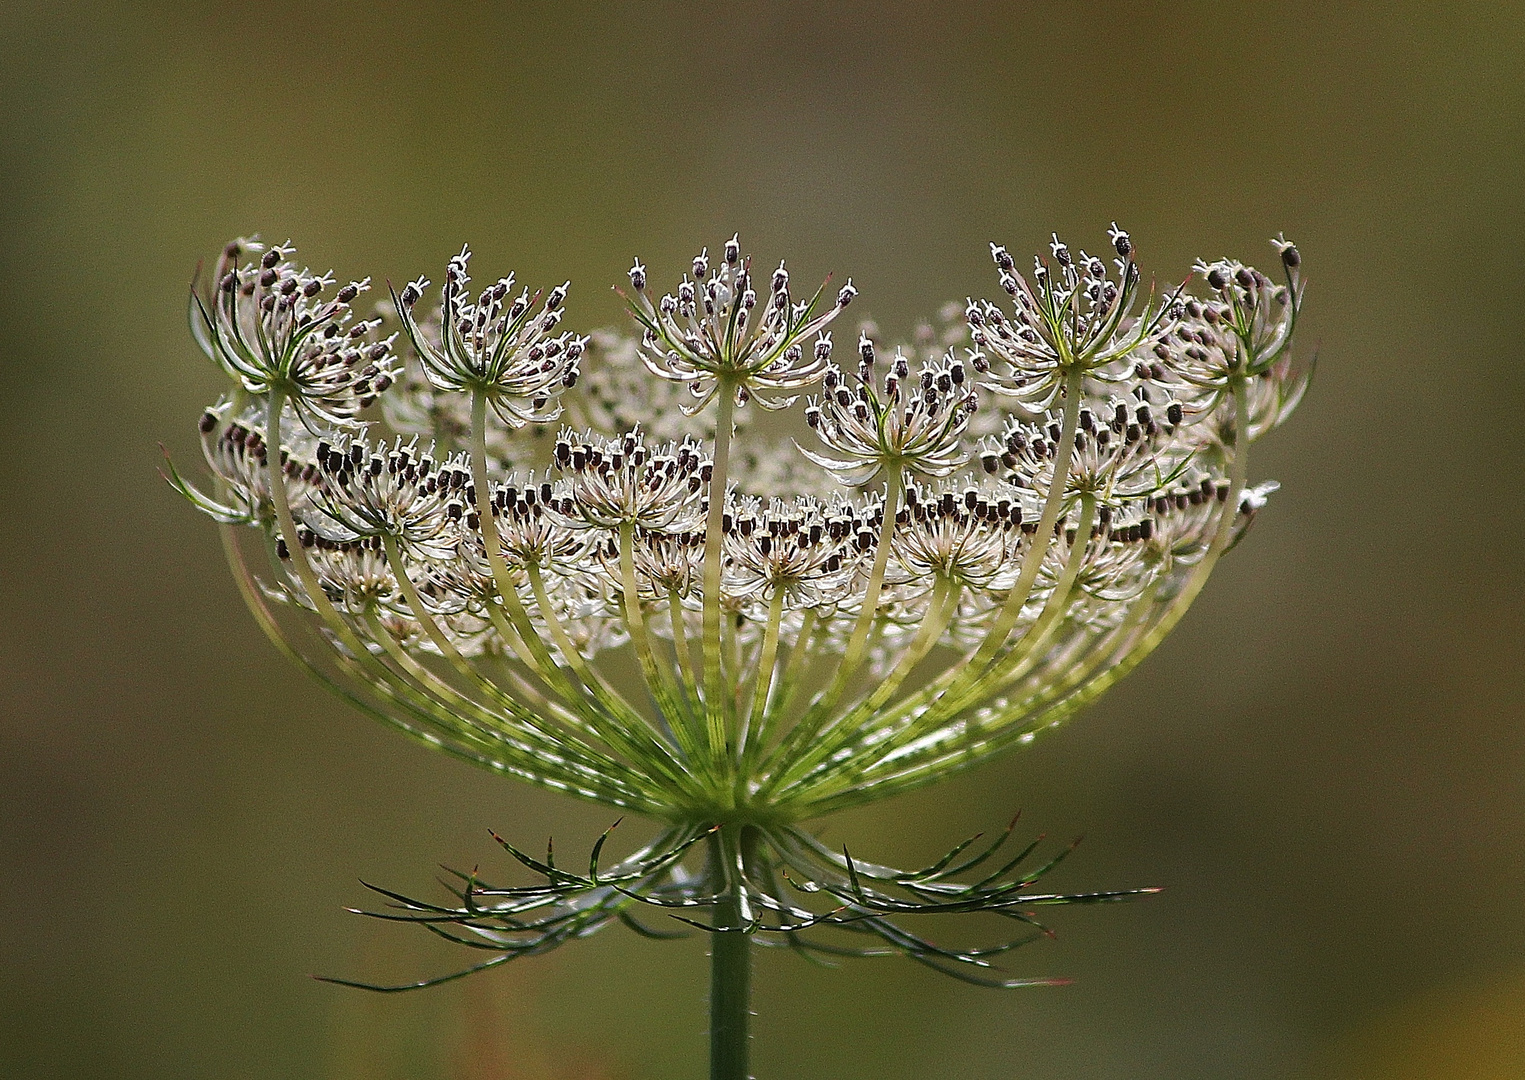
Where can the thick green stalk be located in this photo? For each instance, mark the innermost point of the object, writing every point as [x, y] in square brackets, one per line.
[730, 968]
[730, 1004]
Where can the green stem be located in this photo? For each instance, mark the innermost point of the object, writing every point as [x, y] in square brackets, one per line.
[1029, 646]
[730, 970]
[945, 597]
[1032, 561]
[766, 662]
[1238, 478]
[859, 640]
[534, 654]
[681, 647]
[795, 669]
[288, 527]
[714, 707]
[786, 683]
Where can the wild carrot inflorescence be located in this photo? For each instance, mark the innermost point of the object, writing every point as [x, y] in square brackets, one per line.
[970, 538]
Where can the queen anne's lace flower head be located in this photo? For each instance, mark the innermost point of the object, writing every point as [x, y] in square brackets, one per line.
[953, 545]
[530, 531]
[1042, 505]
[396, 494]
[964, 537]
[668, 565]
[1116, 457]
[615, 482]
[356, 575]
[797, 551]
[238, 457]
[1239, 333]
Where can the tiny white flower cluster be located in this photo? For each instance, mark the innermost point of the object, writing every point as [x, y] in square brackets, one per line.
[1016, 525]
[917, 426]
[705, 337]
[268, 324]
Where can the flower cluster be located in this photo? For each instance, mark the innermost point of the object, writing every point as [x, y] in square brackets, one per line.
[775, 629]
[916, 426]
[709, 335]
[960, 546]
[269, 326]
[502, 348]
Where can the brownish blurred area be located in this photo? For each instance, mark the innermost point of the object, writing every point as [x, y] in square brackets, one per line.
[1324, 767]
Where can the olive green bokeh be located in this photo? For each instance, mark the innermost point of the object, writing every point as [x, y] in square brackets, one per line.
[1325, 766]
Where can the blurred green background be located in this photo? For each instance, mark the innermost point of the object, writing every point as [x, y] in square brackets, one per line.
[1325, 765]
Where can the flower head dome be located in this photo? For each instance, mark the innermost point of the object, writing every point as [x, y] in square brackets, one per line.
[945, 554]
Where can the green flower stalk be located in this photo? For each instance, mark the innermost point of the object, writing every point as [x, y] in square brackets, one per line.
[464, 535]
